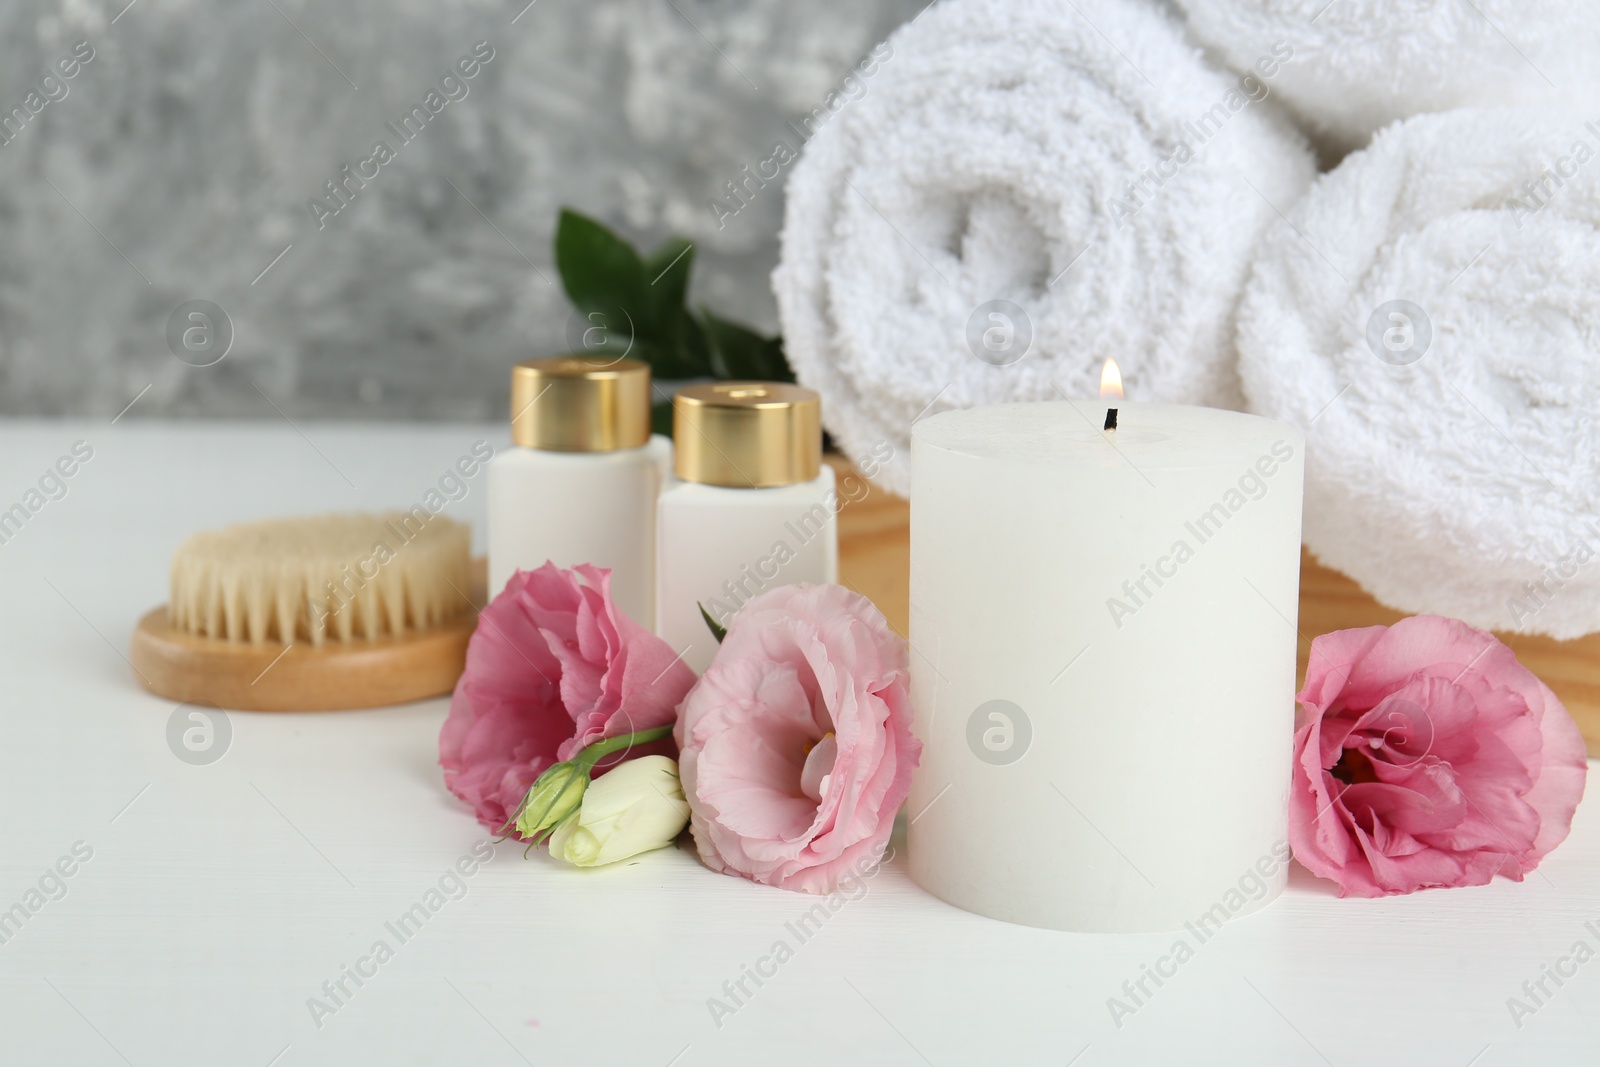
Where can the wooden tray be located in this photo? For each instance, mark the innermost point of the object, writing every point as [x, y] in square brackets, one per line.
[875, 560]
[332, 677]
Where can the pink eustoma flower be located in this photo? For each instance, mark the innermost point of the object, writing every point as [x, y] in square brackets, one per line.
[553, 667]
[796, 745]
[1428, 756]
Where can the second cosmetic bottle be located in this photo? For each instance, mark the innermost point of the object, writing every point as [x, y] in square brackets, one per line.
[751, 506]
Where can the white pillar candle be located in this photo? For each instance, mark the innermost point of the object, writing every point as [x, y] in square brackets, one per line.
[1103, 633]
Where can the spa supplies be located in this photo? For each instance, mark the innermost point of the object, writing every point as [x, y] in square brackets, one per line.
[338, 577]
[1359, 67]
[1428, 314]
[751, 506]
[581, 485]
[1103, 667]
[335, 611]
[1027, 188]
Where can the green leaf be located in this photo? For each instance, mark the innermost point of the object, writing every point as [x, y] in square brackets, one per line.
[661, 418]
[635, 305]
[683, 352]
[739, 352]
[596, 265]
[605, 280]
[717, 629]
[667, 272]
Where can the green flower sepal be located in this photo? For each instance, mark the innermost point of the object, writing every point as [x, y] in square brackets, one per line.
[557, 794]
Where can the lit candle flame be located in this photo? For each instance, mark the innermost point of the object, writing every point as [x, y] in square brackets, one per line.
[1110, 380]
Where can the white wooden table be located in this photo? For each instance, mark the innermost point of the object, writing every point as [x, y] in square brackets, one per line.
[219, 898]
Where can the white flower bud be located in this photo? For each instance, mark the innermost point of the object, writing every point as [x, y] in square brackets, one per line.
[633, 808]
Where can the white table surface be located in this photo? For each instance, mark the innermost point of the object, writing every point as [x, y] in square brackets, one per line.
[219, 898]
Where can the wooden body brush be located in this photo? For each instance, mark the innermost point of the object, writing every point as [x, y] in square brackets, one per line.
[323, 613]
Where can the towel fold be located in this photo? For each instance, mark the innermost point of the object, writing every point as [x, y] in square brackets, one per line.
[1025, 188]
[1430, 313]
[1361, 64]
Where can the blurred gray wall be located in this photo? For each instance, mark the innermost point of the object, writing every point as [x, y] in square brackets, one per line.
[179, 161]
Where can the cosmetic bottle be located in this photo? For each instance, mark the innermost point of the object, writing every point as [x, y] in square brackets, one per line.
[750, 506]
[580, 483]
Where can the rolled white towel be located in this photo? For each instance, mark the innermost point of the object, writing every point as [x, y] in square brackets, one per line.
[1430, 313]
[1024, 188]
[1361, 64]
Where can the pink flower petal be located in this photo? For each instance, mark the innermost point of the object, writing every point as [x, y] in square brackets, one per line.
[819, 765]
[1428, 756]
[552, 667]
[1564, 767]
[799, 663]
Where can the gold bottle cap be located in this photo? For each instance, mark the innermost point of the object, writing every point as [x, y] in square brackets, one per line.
[580, 404]
[747, 435]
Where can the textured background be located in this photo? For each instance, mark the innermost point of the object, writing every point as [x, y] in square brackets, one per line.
[182, 157]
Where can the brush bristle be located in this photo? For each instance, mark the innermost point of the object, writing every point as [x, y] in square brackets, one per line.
[329, 577]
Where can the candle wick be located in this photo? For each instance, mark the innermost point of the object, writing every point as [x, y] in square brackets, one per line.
[1111, 419]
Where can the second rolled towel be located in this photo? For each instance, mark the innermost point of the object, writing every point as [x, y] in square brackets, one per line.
[1430, 313]
[1361, 64]
[1025, 188]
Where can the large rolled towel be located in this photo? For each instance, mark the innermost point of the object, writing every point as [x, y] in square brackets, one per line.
[1024, 188]
[1430, 313]
[1361, 64]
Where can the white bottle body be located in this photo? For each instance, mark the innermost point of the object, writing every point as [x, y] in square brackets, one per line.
[719, 547]
[579, 507]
